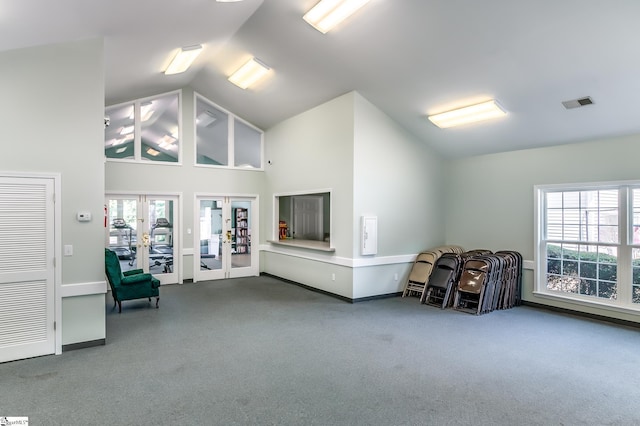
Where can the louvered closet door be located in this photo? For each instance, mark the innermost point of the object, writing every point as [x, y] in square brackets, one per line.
[26, 267]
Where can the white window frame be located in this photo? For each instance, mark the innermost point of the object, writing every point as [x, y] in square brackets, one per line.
[231, 117]
[137, 145]
[623, 302]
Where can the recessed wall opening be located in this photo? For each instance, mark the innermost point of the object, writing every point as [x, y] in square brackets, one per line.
[303, 218]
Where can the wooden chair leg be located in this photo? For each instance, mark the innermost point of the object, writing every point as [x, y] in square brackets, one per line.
[157, 301]
[119, 307]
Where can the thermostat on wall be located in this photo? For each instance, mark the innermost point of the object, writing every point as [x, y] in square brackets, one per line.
[83, 216]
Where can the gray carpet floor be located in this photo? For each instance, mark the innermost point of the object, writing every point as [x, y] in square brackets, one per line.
[259, 351]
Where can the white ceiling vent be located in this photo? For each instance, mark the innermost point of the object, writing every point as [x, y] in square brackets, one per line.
[576, 103]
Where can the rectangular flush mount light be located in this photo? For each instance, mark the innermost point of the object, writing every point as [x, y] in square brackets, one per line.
[249, 73]
[183, 59]
[328, 13]
[469, 114]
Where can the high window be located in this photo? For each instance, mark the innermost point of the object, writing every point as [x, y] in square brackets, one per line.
[145, 130]
[588, 243]
[224, 140]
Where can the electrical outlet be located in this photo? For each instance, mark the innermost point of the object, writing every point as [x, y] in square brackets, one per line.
[395, 276]
[333, 277]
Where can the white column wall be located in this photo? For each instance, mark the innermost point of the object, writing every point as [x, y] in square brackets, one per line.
[51, 114]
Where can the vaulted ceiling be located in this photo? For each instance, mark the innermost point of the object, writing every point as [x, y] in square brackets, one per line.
[408, 57]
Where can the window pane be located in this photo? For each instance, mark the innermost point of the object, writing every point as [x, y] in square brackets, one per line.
[588, 270]
[212, 134]
[159, 128]
[635, 193]
[247, 146]
[554, 232]
[119, 135]
[607, 290]
[571, 199]
[588, 287]
[554, 200]
[635, 264]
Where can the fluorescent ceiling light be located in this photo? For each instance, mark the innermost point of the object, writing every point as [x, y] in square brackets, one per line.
[469, 114]
[206, 118]
[146, 110]
[328, 13]
[166, 141]
[126, 129]
[153, 152]
[249, 73]
[183, 59]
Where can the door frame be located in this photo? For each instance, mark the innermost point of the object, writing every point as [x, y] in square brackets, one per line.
[177, 248]
[254, 199]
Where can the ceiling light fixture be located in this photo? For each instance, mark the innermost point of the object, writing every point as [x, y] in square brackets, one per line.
[146, 110]
[469, 114]
[126, 130]
[153, 152]
[206, 118]
[328, 13]
[183, 59]
[249, 73]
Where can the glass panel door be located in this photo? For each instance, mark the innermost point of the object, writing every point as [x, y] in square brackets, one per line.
[161, 222]
[142, 230]
[223, 246]
[210, 239]
[123, 230]
[241, 236]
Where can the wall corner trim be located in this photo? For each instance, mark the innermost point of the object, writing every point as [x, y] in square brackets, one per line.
[340, 261]
[83, 289]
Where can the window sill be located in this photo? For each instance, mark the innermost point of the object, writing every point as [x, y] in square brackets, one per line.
[635, 310]
[305, 244]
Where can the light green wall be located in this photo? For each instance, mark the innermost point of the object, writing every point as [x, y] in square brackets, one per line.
[398, 179]
[310, 152]
[52, 110]
[373, 167]
[75, 311]
[490, 199]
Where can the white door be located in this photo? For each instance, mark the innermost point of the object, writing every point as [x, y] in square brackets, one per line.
[27, 274]
[307, 218]
[225, 231]
[143, 231]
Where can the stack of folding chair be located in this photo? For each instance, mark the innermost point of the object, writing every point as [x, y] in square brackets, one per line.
[443, 279]
[489, 281]
[422, 267]
[511, 295]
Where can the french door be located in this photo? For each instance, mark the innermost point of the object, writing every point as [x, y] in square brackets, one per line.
[143, 231]
[225, 230]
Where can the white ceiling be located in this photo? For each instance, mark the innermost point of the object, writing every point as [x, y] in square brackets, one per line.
[408, 57]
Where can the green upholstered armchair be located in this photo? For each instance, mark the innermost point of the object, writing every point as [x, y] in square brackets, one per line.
[133, 284]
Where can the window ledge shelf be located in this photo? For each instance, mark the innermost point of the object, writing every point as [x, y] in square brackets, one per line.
[305, 244]
[588, 303]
